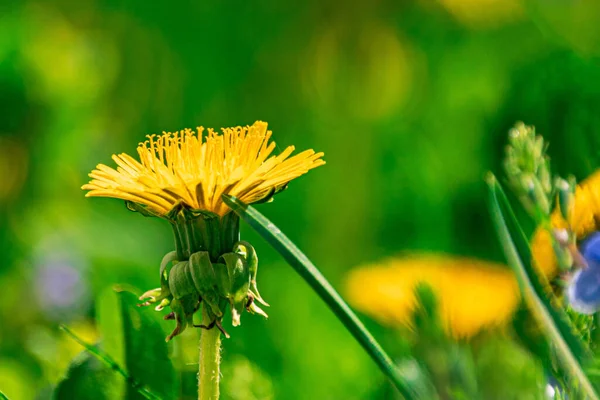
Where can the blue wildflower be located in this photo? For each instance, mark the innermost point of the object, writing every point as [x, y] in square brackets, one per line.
[584, 289]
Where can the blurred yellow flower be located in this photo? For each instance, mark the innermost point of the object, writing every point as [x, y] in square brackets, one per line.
[484, 13]
[585, 213]
[472, 294]
[182, 167]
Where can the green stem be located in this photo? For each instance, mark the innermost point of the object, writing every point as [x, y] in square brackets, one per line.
[546, 319]
[311, 274]
[210, 360]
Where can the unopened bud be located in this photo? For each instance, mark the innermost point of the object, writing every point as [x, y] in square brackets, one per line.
[565, 198]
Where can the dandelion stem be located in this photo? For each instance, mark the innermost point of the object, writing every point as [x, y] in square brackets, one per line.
[210, 360]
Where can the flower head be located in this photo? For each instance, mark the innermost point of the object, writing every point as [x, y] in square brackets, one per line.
[196, 169]
[472, 294]
[583, 218]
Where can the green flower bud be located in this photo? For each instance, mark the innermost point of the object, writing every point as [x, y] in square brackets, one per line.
[560, 245]
[528, 170]
[566, 195]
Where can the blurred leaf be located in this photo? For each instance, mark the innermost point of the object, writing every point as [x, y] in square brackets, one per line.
[110, 363]
[505, 370]
[3, 396]
[572, 22]
[189, 385]
[245, 381]
[322, 287]
[133, 336]
[570, 350]
[533, 339]
[88, 378]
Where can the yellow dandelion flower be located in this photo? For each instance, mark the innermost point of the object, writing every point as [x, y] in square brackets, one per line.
[583, 221]
[196, 169]
[472, 294]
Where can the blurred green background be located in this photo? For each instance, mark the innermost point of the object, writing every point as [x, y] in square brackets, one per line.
[409, 100]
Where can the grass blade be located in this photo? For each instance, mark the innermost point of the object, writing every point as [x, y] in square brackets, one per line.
[569, 348]
[321, 286]
[105, 358]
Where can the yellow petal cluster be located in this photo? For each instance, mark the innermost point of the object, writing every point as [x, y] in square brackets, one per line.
[472, 294]
[196, 169]
[583, 221]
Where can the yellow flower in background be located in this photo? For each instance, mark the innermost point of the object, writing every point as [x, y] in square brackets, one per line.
[196, 169]
[585, 213]
[472, 294]
[484, 13]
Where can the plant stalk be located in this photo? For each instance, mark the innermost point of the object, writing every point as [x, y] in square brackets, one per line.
[210, 360]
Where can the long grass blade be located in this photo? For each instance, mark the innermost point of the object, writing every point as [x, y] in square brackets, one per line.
[570, 350]
[106, 359]
[322, 287]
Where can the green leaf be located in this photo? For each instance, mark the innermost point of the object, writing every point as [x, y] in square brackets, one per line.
[3, 396]
[85, 379]
[88, 378]
[569, 348]
[534, 339]
[134, 338]
[309, 272]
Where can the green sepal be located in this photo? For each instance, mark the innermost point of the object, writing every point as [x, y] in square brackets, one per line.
[239, 277]
[184, 309]
[223, 281]
[205, 280]
[161, 295]
[145, 211]
[191, 304]
[247, 251]
[163, 303]
[165, 269]
[255, 309]
[172, 214]
[180, 319]
[156, 295]
[180, 280]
